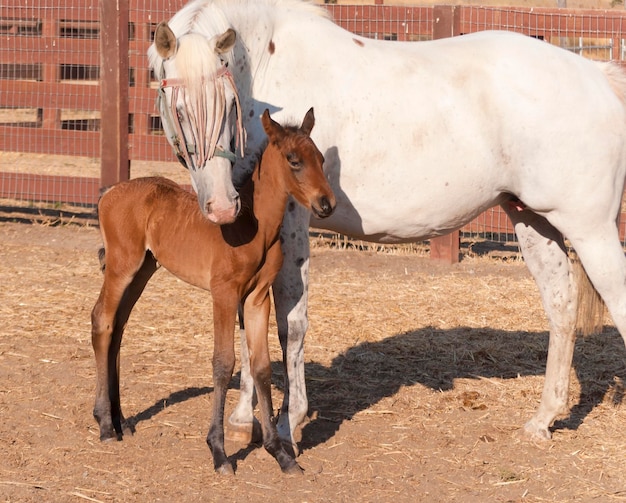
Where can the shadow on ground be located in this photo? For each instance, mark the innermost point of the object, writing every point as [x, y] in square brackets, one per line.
[368, 372]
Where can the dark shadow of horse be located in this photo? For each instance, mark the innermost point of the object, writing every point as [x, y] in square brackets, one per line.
[371, 371]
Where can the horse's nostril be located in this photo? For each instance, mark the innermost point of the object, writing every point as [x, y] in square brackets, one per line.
[209, 209]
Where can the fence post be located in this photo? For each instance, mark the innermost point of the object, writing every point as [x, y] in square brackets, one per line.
[446, 23]
[51, 117]
[114, 81]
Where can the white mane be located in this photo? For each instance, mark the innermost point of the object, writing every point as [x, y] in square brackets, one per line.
[213, 17]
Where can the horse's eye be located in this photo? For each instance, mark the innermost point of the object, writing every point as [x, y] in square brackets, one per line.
[294, 161]
[180, 115]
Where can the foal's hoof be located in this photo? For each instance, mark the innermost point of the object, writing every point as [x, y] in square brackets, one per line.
[248, 433]
[110, 436]
[290, 448]
[294, 469]
[128, 429]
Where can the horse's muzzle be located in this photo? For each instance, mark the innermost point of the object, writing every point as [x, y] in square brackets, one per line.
[226, 215]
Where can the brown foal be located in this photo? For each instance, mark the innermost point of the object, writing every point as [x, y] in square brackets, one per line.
[147, 222]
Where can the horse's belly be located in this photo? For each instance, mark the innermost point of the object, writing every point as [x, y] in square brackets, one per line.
[407, 212]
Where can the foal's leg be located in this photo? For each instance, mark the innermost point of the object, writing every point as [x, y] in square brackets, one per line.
[118, 295]
[224, 315]
[546, 257]
[130, 298]
[290, 290]
[257, 311]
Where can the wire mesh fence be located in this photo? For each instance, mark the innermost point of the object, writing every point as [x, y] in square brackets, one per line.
[50, 84]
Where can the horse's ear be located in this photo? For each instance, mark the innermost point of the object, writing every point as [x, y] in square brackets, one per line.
[165, 40]
[270, 126]
[308, 122]
[225, 41]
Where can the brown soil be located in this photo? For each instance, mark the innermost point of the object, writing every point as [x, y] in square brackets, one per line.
[419, 375]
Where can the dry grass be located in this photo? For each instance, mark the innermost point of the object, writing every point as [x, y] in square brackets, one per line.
[419, 377]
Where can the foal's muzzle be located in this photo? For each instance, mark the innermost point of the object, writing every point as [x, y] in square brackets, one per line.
[324, 209]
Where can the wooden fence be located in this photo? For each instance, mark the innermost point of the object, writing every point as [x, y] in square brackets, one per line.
[59, 57]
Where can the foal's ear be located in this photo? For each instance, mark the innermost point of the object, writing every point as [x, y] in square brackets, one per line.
[165, 40]
[308, 122]
[225, 41]
[271, 127]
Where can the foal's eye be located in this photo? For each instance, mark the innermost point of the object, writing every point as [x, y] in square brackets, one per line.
[294, 161]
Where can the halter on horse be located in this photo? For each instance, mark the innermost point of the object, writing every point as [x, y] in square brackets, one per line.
[196, 106]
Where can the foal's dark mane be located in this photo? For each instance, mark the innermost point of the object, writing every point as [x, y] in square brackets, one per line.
[241, 179]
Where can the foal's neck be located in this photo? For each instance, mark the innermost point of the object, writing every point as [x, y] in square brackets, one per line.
[263, 201]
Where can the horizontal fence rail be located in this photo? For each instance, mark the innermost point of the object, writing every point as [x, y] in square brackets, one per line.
[54, 78]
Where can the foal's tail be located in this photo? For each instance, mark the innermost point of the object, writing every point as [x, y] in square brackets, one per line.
[101, 259]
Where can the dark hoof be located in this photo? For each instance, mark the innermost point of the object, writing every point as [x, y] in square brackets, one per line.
[110, 437]
[294, 469]
[127, 429]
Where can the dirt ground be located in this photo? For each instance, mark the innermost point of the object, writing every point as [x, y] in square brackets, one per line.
[419, 377]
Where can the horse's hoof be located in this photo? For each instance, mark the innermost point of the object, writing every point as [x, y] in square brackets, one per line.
[226, 469]
[249, 433]
[532, 431]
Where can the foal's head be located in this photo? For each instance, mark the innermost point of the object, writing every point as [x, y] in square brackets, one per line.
[301, 163]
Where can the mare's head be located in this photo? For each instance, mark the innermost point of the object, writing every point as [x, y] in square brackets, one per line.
[201, 114]
[301, 163]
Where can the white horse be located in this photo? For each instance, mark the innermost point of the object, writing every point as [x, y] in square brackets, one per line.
[419, 138]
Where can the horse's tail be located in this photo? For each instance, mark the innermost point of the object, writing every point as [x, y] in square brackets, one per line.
[616, 76]
[591, 307]
[590, 311]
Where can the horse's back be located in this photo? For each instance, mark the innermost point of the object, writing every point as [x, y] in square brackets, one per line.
[469, 119]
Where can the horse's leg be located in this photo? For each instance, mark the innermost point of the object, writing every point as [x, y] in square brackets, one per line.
[120, 290]
[242, 425]
[290, 291]
[257, 311]
[224, 315]
[546, 257]
[601, 254]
